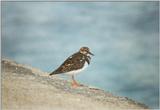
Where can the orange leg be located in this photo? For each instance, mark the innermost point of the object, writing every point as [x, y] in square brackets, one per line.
[74, 83]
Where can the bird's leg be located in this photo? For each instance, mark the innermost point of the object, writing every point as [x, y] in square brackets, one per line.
[74, 83]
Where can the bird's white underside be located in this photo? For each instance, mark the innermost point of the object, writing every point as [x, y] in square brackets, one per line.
[77, 71]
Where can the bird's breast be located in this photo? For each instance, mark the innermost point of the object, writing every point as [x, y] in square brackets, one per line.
[78, 70]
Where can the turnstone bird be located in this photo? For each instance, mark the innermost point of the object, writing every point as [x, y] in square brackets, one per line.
[75, 64]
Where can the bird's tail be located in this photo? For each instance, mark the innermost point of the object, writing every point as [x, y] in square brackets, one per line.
[54, 72]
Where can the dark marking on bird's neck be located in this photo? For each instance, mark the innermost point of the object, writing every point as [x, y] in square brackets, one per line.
[86, 58]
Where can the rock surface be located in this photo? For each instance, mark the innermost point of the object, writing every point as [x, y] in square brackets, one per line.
[27, 88]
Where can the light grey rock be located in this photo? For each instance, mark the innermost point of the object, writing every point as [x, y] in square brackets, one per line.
[27, 88]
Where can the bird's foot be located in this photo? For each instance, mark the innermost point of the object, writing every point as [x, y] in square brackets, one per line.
[75, 84]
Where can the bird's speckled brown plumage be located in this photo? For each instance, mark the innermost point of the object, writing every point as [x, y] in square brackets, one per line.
[74, 62]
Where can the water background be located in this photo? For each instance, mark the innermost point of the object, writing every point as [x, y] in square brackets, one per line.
[124, 37]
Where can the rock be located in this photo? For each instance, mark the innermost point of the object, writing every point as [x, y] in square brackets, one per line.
[27, 88]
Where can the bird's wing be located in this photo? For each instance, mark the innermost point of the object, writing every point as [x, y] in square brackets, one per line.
[73, 62]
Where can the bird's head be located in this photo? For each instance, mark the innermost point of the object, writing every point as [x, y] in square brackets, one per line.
[85, 51]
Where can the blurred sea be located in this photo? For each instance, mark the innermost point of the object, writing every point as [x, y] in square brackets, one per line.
[124, 37]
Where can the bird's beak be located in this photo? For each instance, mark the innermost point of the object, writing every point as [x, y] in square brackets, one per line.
[91, 53]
